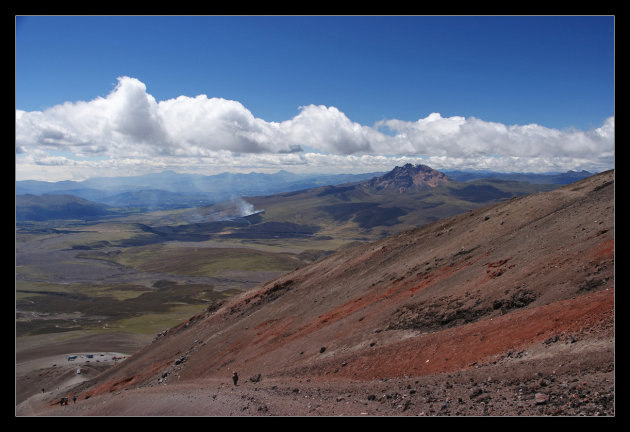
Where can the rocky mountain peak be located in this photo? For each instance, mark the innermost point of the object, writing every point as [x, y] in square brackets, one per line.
[409, 177]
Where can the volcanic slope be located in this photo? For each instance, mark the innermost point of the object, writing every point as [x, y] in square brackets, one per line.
[511, 305]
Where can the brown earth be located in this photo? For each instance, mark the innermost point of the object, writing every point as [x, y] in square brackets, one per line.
[505, 310]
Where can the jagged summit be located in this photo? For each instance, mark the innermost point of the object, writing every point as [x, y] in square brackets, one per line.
[409, 178]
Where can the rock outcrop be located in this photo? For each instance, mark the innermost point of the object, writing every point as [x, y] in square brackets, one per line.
[408, 178]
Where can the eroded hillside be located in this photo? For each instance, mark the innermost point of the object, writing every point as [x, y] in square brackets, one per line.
[489, 287]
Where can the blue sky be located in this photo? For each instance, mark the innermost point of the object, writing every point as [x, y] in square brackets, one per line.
[374, 91]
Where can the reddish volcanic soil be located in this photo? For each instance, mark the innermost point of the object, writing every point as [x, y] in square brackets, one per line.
[504, 310]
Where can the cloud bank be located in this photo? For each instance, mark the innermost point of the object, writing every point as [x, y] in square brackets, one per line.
[129, 132]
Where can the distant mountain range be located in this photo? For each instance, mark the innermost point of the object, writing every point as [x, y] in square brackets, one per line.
[548, 178]
[98, 197]
[169, 190]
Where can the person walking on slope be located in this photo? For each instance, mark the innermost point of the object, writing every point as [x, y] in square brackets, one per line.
[234, 377]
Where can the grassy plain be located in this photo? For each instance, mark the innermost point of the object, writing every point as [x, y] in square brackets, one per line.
[116, 276]
[198, 261]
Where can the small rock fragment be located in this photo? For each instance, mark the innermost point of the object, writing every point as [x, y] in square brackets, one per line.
[541, 398]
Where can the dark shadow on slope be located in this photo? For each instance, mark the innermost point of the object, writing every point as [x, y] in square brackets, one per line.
[480, 193]
[366, 215]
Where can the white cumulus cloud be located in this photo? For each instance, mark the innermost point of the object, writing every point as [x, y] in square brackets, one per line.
[129, 129]
[472, 137]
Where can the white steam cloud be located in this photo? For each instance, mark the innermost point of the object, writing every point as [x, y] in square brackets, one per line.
[243, 208]
[128, 131]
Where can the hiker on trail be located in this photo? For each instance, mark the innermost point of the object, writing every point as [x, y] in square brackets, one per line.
[234, 377]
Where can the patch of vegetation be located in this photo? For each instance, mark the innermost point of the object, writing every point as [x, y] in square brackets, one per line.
[44, 207]
[42, 310]
[200, 261]
[151, 323]
[338, 192]
[37, 327]
[378, 216]
[480, 193]
[274, 230]
[366, 215]
[345, 211]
